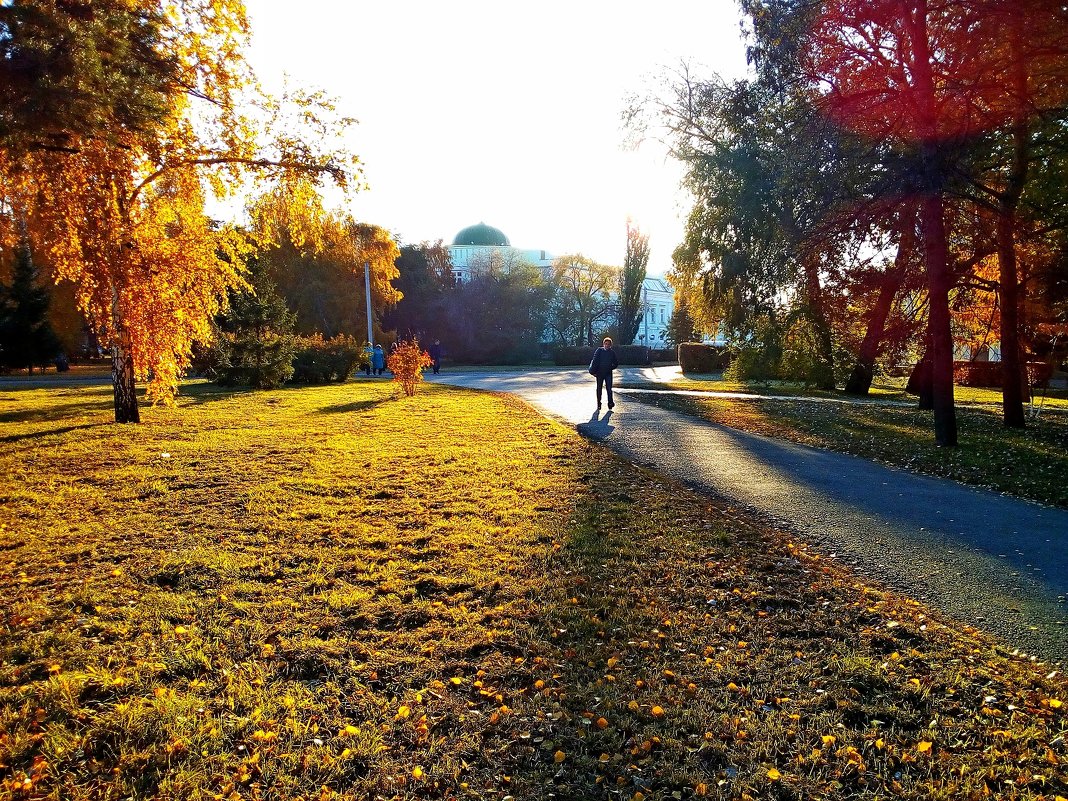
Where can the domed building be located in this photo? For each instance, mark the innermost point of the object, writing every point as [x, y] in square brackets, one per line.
[481, 247]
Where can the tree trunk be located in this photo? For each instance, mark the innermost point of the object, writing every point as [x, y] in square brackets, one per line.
[1012, 368]
[122, 372]
[920, 380]
[936, 258]
[860, 378]
[1012, 372]
[821, 328]
[938, 283]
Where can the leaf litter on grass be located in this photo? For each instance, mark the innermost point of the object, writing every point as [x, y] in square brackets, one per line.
[450, 597]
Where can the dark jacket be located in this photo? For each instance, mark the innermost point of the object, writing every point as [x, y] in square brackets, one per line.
[604, 362]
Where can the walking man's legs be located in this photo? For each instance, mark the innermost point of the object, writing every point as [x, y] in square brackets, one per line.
[608, 386]
[600, 384]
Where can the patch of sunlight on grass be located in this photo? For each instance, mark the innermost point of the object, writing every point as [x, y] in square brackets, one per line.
[331, 593]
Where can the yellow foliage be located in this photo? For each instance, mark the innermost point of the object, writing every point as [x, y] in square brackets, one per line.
[121, 216]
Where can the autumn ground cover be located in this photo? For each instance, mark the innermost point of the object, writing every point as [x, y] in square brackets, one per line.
[336, 593]
[1032, 463]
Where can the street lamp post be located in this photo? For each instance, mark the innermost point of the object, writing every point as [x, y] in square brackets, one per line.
[367, 290]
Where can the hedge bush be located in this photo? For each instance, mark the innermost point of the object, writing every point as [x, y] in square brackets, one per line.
[319, 361]
[696, 357]
[664, 355]
[573, 355]
[988, 374]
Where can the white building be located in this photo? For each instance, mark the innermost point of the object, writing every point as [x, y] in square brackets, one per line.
[478, 246]
[658, 299]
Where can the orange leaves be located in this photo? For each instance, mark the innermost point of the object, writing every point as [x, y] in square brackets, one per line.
[406, 362]
[924, 746]
[559, 757]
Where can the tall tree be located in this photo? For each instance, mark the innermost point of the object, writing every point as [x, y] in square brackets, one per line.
[255, 344]
[425, 281]
[772, 180]
[904, 71]
[26, 337]
[114, 191]
[316, 258]
[497, 317]
[631, 281]
[582, 298]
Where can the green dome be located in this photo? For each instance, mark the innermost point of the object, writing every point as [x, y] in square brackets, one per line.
[481, 234]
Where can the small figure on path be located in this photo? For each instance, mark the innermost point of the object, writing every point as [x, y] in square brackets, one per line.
[435, 355]
[369, 355]
[604, 362]
[378, 360]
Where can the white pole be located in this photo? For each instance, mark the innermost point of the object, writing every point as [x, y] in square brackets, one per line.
[367, 288]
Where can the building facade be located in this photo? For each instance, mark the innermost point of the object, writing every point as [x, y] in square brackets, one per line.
[477, 247]
[658, 300]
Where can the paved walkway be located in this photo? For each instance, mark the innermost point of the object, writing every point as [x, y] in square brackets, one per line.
[995, 562]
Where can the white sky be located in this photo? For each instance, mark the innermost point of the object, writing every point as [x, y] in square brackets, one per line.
[502, 112]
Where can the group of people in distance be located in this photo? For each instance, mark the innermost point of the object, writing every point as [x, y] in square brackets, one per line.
[376, 358]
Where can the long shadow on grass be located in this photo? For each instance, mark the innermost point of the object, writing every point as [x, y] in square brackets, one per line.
[354, 406]
[50, 432]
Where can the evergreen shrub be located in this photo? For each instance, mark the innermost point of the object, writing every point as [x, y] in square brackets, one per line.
[319, 361]
[638, 355]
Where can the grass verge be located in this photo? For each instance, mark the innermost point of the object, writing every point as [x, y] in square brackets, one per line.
[1031, 463]
[331, 593]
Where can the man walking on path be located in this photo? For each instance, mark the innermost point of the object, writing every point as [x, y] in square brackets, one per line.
[604, 362]
[435, 355]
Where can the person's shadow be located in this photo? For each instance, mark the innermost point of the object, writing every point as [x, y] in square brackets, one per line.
[597, 427]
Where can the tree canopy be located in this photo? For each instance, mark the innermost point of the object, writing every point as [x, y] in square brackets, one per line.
[114, 133]
[872, 187]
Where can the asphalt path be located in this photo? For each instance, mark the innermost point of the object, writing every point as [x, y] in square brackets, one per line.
[991, 561]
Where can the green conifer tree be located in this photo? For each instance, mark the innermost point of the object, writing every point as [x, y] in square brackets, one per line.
[26, 338]
[255, 343]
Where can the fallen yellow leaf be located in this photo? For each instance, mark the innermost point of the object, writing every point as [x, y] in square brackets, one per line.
[774, 775]
[657, 711]
[559, 757]
[924, 746]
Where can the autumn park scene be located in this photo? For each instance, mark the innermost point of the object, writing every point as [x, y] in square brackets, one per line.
[755, 487]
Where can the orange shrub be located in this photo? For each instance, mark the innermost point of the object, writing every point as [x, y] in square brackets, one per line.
[406, 362]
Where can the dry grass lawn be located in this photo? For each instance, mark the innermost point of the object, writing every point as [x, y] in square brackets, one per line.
[330, 593]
